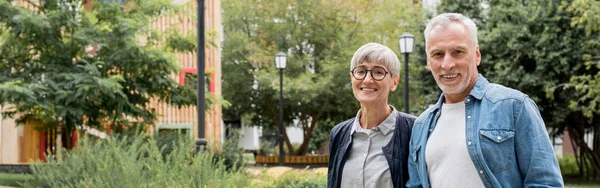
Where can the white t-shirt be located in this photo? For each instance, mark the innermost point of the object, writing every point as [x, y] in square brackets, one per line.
[446, 155]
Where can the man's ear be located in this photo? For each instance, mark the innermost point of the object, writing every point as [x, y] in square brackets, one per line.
[428, 66]
[477, 55]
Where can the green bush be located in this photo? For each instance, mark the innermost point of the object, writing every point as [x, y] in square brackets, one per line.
[266, 148]
[7, 179]
[569, 168]
[137, 162]
[168, 141]
[231, 153]
[296, 179]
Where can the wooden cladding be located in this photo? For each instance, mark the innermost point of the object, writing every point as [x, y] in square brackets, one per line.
[185, 23]
[29, 148]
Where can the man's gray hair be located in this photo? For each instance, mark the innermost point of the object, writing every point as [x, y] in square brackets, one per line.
[379, 54]
[443, 20]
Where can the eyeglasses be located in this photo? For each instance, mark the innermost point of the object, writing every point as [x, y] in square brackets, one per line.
[377, 73]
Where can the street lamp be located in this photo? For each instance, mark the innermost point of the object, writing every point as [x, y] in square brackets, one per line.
[280, 60]
[406, 41]
[201, 141]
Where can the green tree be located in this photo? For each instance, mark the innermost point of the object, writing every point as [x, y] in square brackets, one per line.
[586, 86]
[319, 38]
[542, 52]
[47, 74]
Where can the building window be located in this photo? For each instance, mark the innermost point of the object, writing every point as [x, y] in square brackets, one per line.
[173, 128]
[188, 76]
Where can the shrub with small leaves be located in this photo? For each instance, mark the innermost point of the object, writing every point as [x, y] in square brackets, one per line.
[232, 153]
[295, 179]
[137, 162]
[569, 168]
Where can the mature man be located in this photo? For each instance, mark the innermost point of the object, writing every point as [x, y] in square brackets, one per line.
[478, 134]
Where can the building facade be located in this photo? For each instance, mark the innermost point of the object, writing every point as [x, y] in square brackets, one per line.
[23, 143]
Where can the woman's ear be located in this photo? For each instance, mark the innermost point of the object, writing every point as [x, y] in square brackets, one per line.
[395, 79]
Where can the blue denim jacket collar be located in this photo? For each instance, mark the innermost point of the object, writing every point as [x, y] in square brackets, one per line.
[477, 91]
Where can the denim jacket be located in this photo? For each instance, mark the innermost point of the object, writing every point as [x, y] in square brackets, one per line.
[505, 137]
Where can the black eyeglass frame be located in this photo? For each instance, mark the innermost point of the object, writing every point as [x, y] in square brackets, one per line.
[367, 72]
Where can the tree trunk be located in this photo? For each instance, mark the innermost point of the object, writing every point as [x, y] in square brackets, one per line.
[67, 138]
[576, 151]
[308, 132]
[588, 157]
[595, 149]
[58, 145]
[306, 140]
[286, 139]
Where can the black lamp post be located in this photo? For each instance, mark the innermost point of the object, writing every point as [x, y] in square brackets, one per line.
[280, 60]
[201, 141]
[406, 41]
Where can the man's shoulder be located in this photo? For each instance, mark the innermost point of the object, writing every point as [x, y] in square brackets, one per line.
[497, 92]
[424, 115]
[420, 121]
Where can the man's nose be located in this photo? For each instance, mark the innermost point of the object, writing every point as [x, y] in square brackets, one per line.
[448, 63]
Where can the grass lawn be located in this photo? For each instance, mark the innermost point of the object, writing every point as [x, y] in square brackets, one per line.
[13, 180]
[574, 182]
[582, 185]
[249, 159]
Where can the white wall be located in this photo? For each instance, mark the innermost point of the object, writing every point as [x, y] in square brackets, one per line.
[295, 135]
[250, 135]
[9, 141]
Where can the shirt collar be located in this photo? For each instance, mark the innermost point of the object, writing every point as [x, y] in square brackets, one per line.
[387, 126]
[477, 91]
[480, 87]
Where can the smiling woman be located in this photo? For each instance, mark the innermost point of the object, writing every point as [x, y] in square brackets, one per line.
[376, 129]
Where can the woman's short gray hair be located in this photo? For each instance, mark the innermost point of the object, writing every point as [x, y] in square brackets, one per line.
[443, 20]
[379, 54]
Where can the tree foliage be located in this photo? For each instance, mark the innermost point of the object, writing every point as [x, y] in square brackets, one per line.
[319, 38]
[587, 86]
[47, 73]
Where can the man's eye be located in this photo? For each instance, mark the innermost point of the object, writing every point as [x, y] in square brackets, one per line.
[436, 55]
